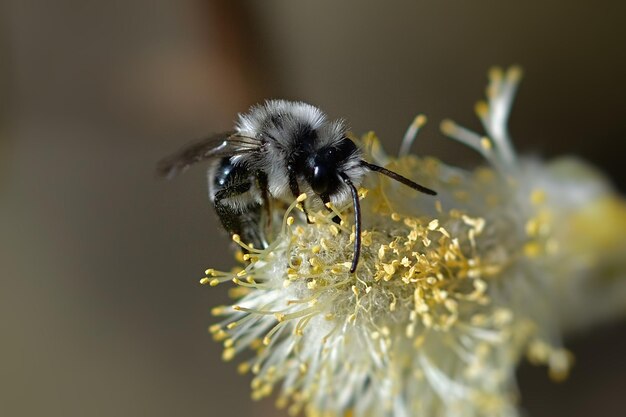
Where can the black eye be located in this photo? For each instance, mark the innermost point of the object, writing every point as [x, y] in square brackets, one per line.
[320, 179]
[345, 148]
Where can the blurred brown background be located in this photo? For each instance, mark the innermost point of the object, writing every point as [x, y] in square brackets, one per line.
[100, 310]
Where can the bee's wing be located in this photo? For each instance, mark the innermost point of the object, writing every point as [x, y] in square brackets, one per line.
[220, 145]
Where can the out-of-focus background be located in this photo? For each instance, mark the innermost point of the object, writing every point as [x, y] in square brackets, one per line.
[101, 313]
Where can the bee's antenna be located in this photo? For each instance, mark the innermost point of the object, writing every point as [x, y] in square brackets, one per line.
[398, 177]
[357, 221]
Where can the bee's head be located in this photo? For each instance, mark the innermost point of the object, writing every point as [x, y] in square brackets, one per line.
[325, 167]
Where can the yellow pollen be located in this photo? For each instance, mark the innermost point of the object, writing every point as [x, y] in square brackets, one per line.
[419, 121]
[532, 227]
[243, 368]
[486, 144]
[538, 197]
[448, 127]
[532, 249]
[228, 354]
[481, 108]
[282, 402]
[514, 74]
[315, 262]
[389, 269]
[220, 335]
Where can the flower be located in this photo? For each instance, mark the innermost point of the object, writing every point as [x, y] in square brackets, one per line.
[450, 292]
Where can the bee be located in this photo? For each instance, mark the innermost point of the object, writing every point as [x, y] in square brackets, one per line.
[277, 151]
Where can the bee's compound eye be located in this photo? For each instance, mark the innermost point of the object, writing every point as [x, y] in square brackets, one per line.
[346, 148]
[320, 179]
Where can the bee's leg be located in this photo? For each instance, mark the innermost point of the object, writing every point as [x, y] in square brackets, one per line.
[326, 199]
[295, 189]
[261, 179]
[243, 221]
[357, 221]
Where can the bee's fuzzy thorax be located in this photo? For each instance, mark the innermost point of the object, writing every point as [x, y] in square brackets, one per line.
[295, 127]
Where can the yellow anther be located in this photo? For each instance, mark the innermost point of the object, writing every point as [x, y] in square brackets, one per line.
[389, 269]
[481, 108]
[538, 197]
[486, 144]
[448, 127]
[228, 354]
[419, 121]
[243, 368]
[514, 74]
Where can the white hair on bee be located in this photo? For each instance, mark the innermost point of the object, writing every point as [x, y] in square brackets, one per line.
[275, 115]
[288, 124]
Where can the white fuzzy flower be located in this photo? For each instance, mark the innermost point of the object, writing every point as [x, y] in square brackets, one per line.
[450, 292]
